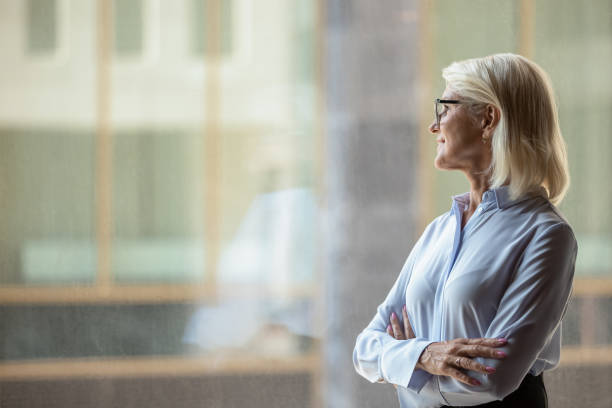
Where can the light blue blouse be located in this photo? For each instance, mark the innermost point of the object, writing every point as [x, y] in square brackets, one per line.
[508, 273]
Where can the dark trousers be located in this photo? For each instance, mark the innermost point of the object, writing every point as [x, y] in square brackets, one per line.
[530, 394]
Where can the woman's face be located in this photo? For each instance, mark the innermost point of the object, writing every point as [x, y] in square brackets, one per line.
[459, 138]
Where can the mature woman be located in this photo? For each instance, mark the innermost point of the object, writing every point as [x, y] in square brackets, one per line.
[474, 316]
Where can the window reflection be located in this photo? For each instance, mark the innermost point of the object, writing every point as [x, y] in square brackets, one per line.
[274, 250]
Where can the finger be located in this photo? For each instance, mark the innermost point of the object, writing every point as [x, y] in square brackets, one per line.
[481, 351]
[390, 330]
[397, 330]
[488, 341]
[464, 378]
[469, 364]
[407, 327]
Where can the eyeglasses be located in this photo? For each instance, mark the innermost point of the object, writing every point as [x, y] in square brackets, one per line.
[439, 107]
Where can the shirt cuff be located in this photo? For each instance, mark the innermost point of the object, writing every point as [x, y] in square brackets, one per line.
[398, 362]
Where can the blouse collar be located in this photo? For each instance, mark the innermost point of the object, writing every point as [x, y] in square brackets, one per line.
[499, 197]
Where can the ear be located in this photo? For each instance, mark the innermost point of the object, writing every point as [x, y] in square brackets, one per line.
[490, 119]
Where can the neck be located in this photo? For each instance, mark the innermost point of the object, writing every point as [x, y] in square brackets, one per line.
[479, 183]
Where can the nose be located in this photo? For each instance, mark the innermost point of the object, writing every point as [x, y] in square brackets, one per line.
[433, 128]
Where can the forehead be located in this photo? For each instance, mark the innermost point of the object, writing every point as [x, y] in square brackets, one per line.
[449, 93]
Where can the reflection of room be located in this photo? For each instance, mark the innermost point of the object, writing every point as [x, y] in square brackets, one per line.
[132, 136]
[274, 250]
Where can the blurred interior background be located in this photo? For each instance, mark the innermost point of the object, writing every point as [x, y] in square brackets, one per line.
[203, 201]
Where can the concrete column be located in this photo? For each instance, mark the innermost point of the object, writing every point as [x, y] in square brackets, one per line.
[372, 131]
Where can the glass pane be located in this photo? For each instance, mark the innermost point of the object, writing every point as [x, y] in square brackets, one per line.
[48, 205]
[577, 52]
[270, 217]
[158, 162]
[47, 140]
[268, 114]
[157, 205]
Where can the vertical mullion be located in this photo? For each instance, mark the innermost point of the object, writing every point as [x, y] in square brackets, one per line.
[321, 100]
[526, 28]
[212, 134]
[425, 178]
[320, 45]
[103, 147]
[588, 320]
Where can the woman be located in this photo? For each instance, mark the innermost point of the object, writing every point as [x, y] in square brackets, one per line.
[474, 316]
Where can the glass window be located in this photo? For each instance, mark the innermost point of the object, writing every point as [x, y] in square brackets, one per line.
[147, 204]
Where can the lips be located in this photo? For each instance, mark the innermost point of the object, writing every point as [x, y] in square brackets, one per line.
[440, 140]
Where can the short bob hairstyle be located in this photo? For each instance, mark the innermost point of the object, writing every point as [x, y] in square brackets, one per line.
[528, 150]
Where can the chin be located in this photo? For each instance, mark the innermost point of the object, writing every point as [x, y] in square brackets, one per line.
[439, 163]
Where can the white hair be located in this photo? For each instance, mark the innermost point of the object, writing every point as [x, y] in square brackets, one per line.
[528, 150]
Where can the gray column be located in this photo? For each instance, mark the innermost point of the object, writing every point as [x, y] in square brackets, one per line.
[372, 133]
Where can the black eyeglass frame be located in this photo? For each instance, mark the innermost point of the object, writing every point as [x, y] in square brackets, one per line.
[438, 102]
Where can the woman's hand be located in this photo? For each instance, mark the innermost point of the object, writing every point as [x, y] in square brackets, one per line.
[395, 330]
[449, 357]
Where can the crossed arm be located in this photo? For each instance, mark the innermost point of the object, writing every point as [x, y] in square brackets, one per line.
[527, 317]
[449, 357]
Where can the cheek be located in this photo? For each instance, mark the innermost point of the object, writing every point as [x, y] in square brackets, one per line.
[450, 130]
[458, 136]
[451, 143]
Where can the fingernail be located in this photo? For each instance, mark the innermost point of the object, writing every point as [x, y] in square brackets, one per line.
[502, 340]
[404, 308]
[388, 326]
[500, 353]
[490, 369]
[393, 315]
[475, 381]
